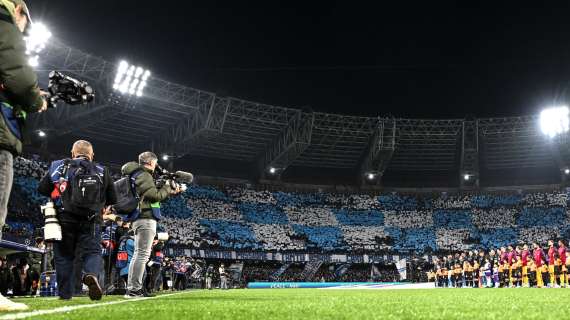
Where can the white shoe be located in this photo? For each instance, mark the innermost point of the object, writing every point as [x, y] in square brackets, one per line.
[9, 305]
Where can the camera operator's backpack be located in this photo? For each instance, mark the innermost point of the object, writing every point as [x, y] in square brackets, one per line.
[127, 197]
[84, 192]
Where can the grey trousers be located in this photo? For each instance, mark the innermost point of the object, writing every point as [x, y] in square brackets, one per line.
[145, 230]
[6, 179]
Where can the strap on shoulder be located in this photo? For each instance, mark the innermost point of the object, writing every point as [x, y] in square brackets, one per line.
[66, 165]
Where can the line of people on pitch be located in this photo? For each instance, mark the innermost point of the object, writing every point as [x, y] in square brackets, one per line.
[507, 267]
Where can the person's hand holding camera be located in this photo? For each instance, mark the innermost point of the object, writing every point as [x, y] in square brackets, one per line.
[45, 96]
[175, 188]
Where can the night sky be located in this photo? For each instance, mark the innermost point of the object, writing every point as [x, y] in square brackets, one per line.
[428, 59]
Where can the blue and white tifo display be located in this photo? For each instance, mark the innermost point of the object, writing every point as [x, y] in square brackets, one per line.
[339, 285]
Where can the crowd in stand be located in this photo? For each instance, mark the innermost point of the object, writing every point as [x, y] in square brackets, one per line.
[240, 218]
[288, 222]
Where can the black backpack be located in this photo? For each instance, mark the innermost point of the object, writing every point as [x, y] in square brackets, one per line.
[84, 195]
[127, 197]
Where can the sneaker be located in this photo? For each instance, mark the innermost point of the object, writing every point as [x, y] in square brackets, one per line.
[95, 291]
[134, 294]
[148, 294]
[9, 305]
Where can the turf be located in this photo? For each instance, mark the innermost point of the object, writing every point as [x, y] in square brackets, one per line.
[329, 304]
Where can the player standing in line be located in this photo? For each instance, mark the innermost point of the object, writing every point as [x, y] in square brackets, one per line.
[517, 268]
[552, 252]
[531, 272]
[567, 267]
[468, 273]
[524, 261]
[502, 262]
[562, 263]
[476, 273]
[538, 256]
[457, 271]
[448, 267]
[510, 257]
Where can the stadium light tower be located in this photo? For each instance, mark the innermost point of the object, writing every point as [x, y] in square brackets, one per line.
[555, 121]
[130, 79]
[36, 41]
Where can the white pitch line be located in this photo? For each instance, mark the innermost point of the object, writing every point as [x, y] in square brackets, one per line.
[23, 315]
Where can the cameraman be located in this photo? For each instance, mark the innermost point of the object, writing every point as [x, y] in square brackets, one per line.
[144, 219]
[19, 94]
[79, 214]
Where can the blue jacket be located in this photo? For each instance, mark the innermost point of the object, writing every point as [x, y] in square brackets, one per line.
[130, 251]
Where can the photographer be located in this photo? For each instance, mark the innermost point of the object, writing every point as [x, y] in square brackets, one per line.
[209, 276]
[80, 189]
[223, 277]
[153, 267]
[19, 94]
[109, 249]
[145, 217]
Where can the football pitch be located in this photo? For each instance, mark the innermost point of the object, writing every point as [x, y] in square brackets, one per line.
[313, 304]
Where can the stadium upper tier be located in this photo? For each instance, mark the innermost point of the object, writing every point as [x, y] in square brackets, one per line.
[240, 218]
[201, 125]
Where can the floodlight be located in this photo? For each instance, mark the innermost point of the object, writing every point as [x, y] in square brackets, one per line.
[371, 176]
[567, 171]
[554, 121]
[272, 170]
[41, 133]
[165, 157]
[466, 177]
[130, 79]
[36, 41]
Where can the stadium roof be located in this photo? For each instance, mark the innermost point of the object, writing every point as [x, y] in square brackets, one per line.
[185, 122]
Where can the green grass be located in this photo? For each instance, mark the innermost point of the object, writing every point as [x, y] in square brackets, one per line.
[329, 304]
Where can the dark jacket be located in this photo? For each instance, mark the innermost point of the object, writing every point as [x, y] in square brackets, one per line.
[22, 280]
[20, 92]
[147, 191]
[6, 279]
[49, 181]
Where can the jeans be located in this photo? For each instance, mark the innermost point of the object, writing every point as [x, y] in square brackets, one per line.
[6, 179]
[223, 282]
[145, 231]
[85, 237]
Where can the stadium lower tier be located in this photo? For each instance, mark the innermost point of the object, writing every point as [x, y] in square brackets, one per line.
[243, 219]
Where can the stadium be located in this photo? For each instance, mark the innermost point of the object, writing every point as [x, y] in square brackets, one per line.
[284, 212]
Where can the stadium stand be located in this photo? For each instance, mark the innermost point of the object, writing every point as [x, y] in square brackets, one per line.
[241, 218]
